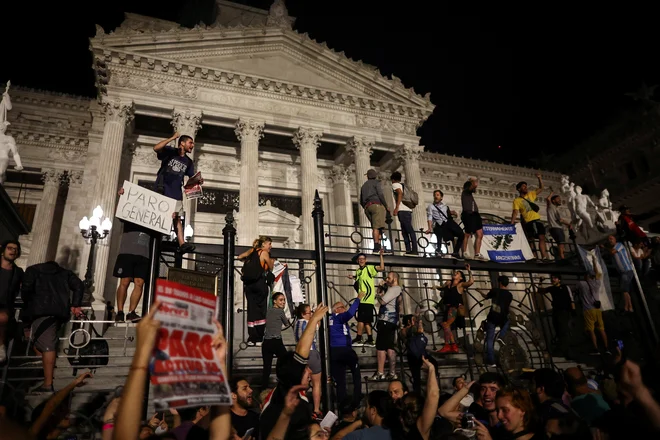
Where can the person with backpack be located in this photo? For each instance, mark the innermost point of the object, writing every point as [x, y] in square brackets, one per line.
[529, 213]
[441, 222]
[46, 292]
[471, 218]
[405, 199]
[257, 278]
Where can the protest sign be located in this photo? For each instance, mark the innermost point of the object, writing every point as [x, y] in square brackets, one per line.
[146, 208]
[506, 243]
[193, 187]
[185, 370]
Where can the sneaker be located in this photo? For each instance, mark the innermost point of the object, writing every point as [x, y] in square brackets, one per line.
[3, 353]
[258, 343]
[388, 252]
[447, 348]
[392, 376]
[250, 343]
[377, 376]
[186, 247]
[133, 317]
[357, 342]
[453, 348]
[370, 342]
[119, 317]
[480, 257]
[501, 342]
[43, 389]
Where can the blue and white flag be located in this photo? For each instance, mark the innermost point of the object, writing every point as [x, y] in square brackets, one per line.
[506, 244]
[589, 258]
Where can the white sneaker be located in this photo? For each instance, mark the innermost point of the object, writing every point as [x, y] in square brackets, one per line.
[258, 344]
[377, 376]
[3, 353]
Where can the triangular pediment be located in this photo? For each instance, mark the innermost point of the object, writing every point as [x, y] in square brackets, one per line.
[271, 214]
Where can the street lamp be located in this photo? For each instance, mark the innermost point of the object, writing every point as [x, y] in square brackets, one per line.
[188, 232]
[89, 229]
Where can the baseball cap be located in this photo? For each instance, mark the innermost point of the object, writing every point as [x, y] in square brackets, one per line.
[372, 174]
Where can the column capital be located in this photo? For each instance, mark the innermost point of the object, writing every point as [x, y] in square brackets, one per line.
[249, 129]
[118, 110]
[409, 152]
[186, 121]
[384, 176]
[51, 176]
[358, 145]
[307, 137]
[74, 177]
[340, 174]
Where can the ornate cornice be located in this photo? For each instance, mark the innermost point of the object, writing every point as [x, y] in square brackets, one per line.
[52, 176]
[409, 152]
[48, 140]
[307, 137]
[178, 34]
[47, 98]
[468, 164]
[249, 129]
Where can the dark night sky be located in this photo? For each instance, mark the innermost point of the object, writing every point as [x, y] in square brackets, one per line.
[530, 81]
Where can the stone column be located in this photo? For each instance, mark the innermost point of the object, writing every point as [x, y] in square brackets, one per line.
[361, 148]
[43, 218]
[118, 113]
[307, 141]
[343, 207]
[249, 132]
[188, 122]
[409, 155]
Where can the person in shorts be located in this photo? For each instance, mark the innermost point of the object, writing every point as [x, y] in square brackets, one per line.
[588, 291]
[175, 164]
[529, 214]
[132, 264]
[626, 270]
[373, 201]
[304, 312]
[364, 282]
[556, 223]
[388, 318]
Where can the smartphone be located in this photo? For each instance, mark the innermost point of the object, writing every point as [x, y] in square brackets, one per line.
[248, 433]
[619, 343]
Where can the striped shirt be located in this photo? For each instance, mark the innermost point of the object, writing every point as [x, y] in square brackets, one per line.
[621, 258]
[275, 318]
[298, 330]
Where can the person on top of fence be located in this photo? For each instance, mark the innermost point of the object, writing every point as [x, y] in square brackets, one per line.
[529, 213]
[405, 199]
[388, 319]
[364, 282]
[375, 207]
[497, 317]
[471, 218]
[452, 299]
[257, 277]
[556, 223]
[174, 165]
[441, 222]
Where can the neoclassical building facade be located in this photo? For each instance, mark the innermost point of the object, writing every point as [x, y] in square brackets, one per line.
[275, 116]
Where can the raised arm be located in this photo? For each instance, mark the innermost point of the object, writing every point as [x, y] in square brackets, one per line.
[449, 409]
[381, 267]
[305, 342]
[470, 281]
[160, 145]
[425, 422]
[541, 187]
[245, 254]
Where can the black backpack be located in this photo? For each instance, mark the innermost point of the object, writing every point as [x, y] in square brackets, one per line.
[252, 270]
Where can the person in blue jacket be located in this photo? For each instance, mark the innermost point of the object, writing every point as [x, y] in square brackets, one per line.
[342, 354]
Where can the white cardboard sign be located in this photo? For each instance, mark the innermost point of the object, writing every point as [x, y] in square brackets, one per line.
[146, 208]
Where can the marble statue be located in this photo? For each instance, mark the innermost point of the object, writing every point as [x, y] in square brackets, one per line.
[606, 216]
[568, 189]
[7, 143]
[581, 203]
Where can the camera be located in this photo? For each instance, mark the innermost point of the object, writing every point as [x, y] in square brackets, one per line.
[468, 421]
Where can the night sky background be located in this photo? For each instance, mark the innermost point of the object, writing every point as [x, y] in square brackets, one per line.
[512, 84]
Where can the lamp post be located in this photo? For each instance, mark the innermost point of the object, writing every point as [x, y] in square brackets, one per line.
[89, 229]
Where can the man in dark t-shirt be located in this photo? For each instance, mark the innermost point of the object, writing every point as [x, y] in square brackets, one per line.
[10, 283]
[497, 317]
[175, 164]
[242, 416]
[562, 308]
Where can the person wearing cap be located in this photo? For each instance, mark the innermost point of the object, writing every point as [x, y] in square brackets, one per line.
[375, 207]
[497, 317]
[529, 213]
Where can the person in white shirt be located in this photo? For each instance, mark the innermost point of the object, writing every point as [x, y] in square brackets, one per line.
[404, 214]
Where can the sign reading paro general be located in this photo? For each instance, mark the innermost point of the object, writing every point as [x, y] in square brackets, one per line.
[146, 208]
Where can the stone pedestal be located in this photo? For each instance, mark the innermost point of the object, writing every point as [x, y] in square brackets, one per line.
[118, 113]
[307, 141]
[188, 122]
[249, 132]
[43, 219]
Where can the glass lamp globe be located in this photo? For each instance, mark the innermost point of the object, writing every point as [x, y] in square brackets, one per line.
[106, 225]
[95, 221]
[98, 212]
[84, 224]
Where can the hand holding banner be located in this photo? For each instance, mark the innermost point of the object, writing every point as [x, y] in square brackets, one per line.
[185, 369]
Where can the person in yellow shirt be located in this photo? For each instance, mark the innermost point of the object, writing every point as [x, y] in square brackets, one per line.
[529, 213]
[364, 282]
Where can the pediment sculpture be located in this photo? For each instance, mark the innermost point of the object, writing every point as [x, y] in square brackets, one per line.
[7, 142]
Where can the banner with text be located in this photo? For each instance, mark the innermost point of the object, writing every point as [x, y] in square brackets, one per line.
[146, 208]
[506, 244]
[185, 370]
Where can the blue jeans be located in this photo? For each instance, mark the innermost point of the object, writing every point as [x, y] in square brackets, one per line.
[409, 238]
[490, 339]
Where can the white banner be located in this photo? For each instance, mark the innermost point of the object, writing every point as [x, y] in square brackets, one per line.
[146, 208]
[505, 244]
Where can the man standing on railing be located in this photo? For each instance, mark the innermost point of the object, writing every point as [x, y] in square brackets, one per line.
[471, 217]
[441, 222]
[10, 283]
[529, 213]
[556, 223]
[364, 283]
[497, 317]
[563, 307]
[404, 214]
[373, 201]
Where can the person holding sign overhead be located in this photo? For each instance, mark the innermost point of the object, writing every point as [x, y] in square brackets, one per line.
[174, 165]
